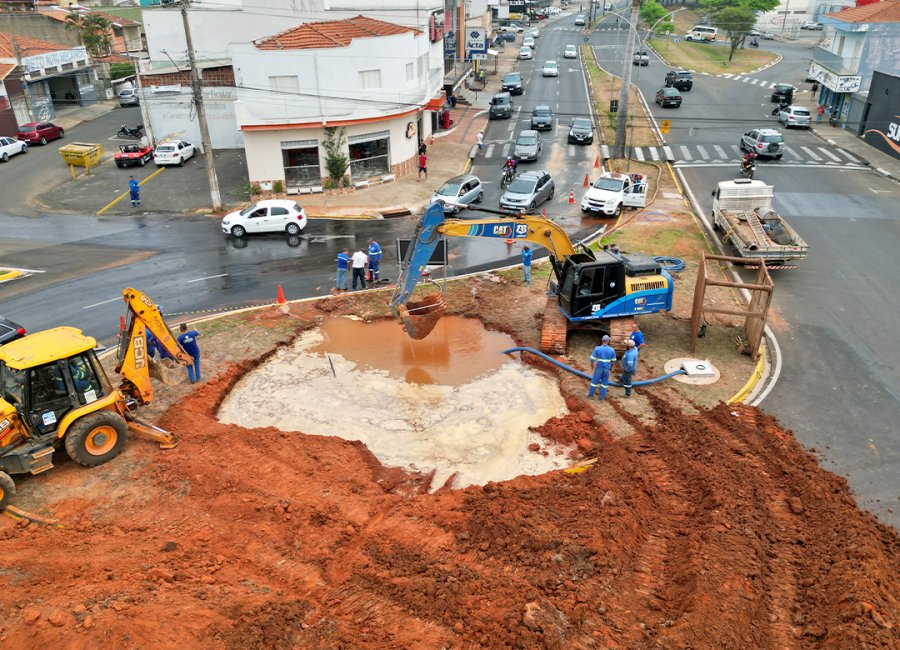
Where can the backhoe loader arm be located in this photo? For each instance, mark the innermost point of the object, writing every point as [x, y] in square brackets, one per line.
[133, 362]
[434, 226]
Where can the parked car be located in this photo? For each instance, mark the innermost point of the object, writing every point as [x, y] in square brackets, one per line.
[174, 152]
[528, 41]
[506, 37]
[10, 331]
[534, 32]
[272, 215]
[39, 132]
[571, 52]
[128, 97]
[512, 27]
[680, 79]
[668, 97]
[512, 83]
[811, 25]
[795, 116]
[461, 190]
[753, 32]
[10, 147]
[501, 106]
[527, 191]
[581, 131]
[765, 142]
[768, 36]
[783, 93]
[528, 146]
[133, 154]
[579, 20]
[551, 69]
[526, 53]
[542, 118]
[641, 57]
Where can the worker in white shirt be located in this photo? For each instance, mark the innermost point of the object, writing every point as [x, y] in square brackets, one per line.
[359, 262]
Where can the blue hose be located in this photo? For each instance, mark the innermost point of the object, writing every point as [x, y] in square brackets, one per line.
[585, 375]
[670, 264]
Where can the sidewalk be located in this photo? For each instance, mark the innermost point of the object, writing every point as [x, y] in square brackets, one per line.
[69, 117]
[845, 139]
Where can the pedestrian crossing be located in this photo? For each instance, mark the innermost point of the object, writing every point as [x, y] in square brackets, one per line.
[754, 81]
[697, 155]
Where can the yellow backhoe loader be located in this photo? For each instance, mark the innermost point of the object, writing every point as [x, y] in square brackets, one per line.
[54, 393]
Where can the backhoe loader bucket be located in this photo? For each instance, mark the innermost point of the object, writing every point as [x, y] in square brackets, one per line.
[421, 316]
[167, 371]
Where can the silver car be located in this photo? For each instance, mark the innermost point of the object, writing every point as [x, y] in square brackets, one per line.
[527, 191]
[459, 192]
[128, 97]
[794, 116]
[528, 145]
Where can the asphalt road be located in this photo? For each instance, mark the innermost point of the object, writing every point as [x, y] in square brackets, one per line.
[835, 315]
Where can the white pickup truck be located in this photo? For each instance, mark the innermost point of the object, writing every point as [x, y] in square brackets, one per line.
[613, 191]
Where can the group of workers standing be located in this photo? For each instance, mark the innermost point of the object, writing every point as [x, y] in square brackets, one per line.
[604, 356]
[364, 264]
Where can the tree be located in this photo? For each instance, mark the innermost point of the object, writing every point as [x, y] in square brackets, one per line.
[121, 70]
[336, 161]
[93, 31]
[736, 17]
[652, 13]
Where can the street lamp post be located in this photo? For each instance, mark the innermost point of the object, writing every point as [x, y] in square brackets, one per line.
[622, 115]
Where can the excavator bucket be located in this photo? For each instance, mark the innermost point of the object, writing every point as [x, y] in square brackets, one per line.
[421, 316]
[167, 372]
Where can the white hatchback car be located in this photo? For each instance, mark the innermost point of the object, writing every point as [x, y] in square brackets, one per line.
[551, 69]
[10, 147]
[795, 116]
[272, 215]
[526, 53]
[571, 52]
[174, 152]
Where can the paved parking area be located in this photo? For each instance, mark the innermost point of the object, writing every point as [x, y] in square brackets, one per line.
[177, 189]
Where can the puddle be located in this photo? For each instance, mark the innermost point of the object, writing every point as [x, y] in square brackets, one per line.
[446, 405]
[457, 351]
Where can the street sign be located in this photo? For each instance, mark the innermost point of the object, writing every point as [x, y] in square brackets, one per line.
[476, 42]
[664, 125]
[479, 56]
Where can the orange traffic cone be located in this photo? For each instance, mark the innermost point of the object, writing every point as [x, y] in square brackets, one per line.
[280, 300]
[597, 162]
[586, 181]
[510, 242]
[571, 196]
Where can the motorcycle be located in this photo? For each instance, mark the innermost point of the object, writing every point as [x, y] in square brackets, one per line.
[747, 169]
[754, 43]
[781, 106]
[508, 175]
[128, 132]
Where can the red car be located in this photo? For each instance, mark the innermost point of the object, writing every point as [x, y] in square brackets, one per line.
[133, 154]
[39, 132]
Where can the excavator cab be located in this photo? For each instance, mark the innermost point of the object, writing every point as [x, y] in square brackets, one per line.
[590, 286]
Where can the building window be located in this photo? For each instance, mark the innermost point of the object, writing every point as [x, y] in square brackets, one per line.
[369, 79]
[410, 71]
[285, 84]
[370, 154]
[301, 163]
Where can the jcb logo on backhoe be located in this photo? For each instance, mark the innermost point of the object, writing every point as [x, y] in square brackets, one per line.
[140, 352]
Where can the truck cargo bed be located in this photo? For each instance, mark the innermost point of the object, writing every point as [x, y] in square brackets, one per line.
[760, 233]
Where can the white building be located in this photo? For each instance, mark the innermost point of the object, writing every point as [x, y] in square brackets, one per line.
[366, 78]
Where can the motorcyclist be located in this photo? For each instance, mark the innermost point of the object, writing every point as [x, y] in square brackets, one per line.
[748, 160]
[754, 42]
[510, 167]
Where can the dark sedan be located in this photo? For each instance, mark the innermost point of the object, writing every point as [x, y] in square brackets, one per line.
[668, 97]
[39, 132]
[783, 93]
[542, 118]
[581, 131]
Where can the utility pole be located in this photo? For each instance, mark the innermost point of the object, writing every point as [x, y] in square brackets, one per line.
[622, 115]
[21, 69]
[197, 92]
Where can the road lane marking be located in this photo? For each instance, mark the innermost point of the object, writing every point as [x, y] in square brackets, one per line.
[208, 277]
[702, 150]
[811, 154]
[720, 151]
[830, 155]
[851, 157]
[686, 153]
[97, 304]
[654, 154]
[639, 154]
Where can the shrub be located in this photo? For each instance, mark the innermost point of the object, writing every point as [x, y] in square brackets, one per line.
[336, 161]
[278, 186]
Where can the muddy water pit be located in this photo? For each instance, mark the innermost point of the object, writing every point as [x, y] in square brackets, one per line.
[451, 404]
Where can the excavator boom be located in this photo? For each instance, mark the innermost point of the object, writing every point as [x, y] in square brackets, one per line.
[133, 364]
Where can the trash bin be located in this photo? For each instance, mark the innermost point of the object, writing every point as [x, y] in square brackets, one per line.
[81, 154]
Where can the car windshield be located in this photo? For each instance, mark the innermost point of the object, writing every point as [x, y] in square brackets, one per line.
[28, 128]
[542, 112]
[512, 77]
[522, 186]
[249, 210]
[527, 140]
[582, 123]
[550, 64]
[772, 138]
[783, 87]
[671, 92]
[449, 189]
[611, 184]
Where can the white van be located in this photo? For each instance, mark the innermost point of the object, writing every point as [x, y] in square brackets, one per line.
[702, 33]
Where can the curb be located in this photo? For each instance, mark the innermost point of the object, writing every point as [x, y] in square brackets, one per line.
[757, 374]
[7, 274]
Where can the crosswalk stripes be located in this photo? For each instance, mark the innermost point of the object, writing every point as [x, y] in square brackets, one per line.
[810, 153]
[686, 153]
[654, 154]
[639, 153]
[702, 151]
[720, 151]
[830, 155]
[714, 154]
[667, 151]
[852, 158]
[489, 151]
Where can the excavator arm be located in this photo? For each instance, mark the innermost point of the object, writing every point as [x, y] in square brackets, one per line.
[434, 226]
[133, 362]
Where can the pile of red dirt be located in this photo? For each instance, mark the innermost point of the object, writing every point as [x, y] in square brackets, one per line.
[713, 530]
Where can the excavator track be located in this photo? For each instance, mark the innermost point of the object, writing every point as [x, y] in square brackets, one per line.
[554, 329]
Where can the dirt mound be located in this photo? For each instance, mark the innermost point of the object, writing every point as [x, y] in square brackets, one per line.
[707, 531]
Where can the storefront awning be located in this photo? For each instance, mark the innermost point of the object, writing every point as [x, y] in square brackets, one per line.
[436, 103]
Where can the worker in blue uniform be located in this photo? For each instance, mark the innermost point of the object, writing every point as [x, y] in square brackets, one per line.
[602, 359]
[629, 365]
[374, 259]
[637, 336]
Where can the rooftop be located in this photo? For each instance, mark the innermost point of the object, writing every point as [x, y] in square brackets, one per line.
[331, 33]
[27, 46]
[58, 13]
[886, 11]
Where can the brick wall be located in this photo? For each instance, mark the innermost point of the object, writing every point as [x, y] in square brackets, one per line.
[212, 78]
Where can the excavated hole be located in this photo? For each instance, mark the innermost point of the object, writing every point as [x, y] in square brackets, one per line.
[451, 404]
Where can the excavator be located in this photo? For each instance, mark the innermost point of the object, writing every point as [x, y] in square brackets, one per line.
[588, 290]
[54, 393]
